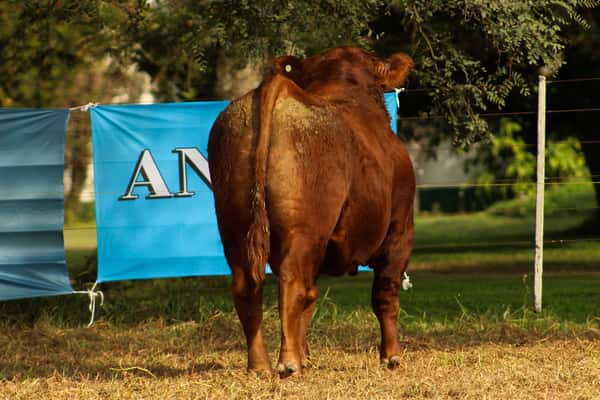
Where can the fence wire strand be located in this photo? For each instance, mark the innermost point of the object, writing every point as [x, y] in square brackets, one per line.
[548, 82]
[503, 114]
[592, 179]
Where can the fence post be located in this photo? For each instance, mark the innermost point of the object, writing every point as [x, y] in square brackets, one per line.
[539, 207]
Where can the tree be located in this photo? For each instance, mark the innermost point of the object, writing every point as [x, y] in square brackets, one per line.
[476, 56]
[471, 55]
[506, 168]
[180, 41]
[45, 44]
[55, 54]
[520, 46]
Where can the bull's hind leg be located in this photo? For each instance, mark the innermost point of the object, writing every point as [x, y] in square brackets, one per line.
[291, 306]
[385, 296]
[386, 304]
[295, 303]
[307, 314]
[247, 296]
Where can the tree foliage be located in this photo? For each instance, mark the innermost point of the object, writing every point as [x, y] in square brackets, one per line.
[472, 54]
[582, 60]
[506, 167]
[46, 43]
[172, 41]
[272, 27]
[55, 53]
[178, 42]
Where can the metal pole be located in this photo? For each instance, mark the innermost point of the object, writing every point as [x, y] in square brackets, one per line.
[539, 207]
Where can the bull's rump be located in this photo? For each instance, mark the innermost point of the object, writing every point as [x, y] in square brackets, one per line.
[318, 188]
[308, 168]
[231, 140]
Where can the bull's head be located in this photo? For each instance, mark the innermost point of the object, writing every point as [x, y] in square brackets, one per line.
[347, 64]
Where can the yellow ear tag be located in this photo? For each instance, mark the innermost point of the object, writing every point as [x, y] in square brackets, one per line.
[288, 68]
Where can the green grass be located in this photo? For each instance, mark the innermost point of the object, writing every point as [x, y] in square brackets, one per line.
[502, 237]
[437, 299]
[560, 198]
[463, 266]
[467, 326]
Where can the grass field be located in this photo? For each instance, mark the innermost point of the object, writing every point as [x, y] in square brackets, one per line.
[466, 326]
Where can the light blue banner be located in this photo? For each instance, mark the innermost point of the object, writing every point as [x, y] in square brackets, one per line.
[142, 236]
[32, 255]
[154, 212]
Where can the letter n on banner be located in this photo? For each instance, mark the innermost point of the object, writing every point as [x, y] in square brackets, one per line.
[155, 213]
[32, 253]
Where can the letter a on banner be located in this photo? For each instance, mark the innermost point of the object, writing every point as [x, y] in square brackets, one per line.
[152, 179]
[32, 254]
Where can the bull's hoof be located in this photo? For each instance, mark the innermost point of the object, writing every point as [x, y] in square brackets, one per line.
[288, 369]
[392, 362]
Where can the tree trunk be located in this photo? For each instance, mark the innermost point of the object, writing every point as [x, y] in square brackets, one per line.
[77, 159]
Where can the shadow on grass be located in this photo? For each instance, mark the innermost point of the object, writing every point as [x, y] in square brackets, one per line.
[153, 348]
[461, 334]
[176, 327]
[159, 350]
[107, 372]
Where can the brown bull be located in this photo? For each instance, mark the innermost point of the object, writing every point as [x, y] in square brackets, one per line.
[309, 177]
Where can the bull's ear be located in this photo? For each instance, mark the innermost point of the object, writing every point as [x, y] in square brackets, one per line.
[287, 65]
[392, 72]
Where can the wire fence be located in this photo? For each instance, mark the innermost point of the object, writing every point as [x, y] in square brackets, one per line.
[550, 182]
[463, 185]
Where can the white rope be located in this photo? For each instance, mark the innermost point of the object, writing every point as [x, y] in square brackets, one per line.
[93, 294]
[84, 108]
[398, 91]
[406, 283]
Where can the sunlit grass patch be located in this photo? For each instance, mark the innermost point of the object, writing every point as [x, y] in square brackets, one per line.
[157, 360]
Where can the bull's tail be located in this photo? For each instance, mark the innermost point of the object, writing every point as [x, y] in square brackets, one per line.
[258, 238]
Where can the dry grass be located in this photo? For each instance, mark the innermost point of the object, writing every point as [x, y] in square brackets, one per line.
[187, 360]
